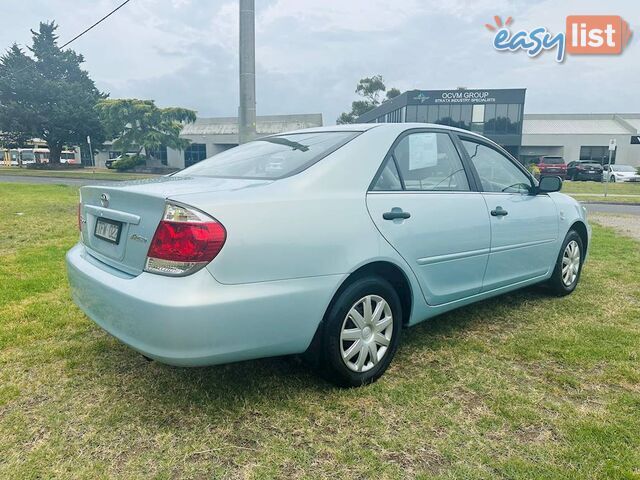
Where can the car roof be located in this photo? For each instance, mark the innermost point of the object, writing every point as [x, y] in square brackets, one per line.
[398, 127]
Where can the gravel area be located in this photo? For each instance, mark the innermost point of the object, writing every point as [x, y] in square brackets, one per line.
[628, 225]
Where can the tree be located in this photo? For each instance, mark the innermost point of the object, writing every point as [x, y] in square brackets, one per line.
[139, 124]
[370, 88]
[47, 95]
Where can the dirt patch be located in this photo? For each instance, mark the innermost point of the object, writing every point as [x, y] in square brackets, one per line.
[628, 225]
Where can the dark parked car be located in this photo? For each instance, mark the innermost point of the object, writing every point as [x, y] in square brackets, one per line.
[584, 170]
[552, 166]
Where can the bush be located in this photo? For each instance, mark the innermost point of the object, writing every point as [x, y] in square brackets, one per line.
[127, 163]
[52, 166]
[534, 169]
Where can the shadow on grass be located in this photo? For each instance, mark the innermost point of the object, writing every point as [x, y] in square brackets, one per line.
[278, 383]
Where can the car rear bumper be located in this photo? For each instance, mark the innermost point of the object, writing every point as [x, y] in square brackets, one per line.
[589, 176]
[194, 320]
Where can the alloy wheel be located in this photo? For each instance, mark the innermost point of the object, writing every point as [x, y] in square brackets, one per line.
[366, 333]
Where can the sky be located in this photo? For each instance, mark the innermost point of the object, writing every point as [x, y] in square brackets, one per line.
[311, 54]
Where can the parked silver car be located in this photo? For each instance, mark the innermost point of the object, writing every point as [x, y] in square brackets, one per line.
[325, 241]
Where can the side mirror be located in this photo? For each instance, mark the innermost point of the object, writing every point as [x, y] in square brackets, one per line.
[549, 184]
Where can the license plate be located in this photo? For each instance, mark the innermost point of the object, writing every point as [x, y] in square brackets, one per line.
[108, 230]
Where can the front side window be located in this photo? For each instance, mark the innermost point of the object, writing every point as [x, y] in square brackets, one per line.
[497, 173]
[429, 161]
[270, 157]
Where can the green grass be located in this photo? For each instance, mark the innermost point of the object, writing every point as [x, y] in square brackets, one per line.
[523, 386]
[88, 173]
[627, 188]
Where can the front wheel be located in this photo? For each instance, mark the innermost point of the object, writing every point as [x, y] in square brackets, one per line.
[566, 273]
[361, 332]
[612, 179]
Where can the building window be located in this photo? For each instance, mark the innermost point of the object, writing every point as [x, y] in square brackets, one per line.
[422, 116]
[597, 154]
[412, 113]
[514, 124]
[194, 153]
[158, 154]
[477, 118]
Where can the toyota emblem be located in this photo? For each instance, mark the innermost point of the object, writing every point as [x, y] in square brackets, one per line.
[104, 200]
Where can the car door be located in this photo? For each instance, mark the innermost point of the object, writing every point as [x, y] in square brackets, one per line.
[524, 226]
[425, 205]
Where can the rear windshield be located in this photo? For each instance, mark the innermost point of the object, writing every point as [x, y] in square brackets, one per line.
[552, 160]
[271, 157]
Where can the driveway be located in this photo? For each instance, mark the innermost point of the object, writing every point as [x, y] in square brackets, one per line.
[611, 208]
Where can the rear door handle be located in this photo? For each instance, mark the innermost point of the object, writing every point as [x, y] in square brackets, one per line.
[499, 212]
[396, 213]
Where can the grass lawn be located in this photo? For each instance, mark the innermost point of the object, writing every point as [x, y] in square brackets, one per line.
[522, 386]
[88, 173]
[626, 188]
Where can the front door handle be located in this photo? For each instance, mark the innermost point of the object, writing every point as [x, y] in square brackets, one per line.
[395, 213]
[499, 212]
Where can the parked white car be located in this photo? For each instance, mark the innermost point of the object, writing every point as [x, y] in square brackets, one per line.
[620, 173]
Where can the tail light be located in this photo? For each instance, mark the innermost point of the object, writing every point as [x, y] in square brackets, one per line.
[185, 241]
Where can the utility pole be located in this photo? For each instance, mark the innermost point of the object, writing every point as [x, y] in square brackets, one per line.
[247, 110]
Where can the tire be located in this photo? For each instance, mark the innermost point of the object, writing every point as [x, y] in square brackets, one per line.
[340, 322]
[563, 283]
[612, 179]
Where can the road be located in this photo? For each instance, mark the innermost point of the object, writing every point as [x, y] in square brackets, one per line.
[54, 180]
[613, 208]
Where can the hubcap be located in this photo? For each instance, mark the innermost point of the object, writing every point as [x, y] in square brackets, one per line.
[366, 333]
[570, 263]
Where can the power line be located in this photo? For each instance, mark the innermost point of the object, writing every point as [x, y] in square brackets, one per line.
[97, 23]
[85, 31]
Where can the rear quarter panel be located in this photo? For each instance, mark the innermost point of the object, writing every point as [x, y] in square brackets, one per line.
[310, 224]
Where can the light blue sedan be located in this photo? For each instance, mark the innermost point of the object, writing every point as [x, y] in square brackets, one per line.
[325, 241]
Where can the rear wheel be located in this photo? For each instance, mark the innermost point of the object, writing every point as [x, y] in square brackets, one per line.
[361, 332]
[612, 179]
[566, 273]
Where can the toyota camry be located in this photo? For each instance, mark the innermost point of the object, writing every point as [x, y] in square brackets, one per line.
[326, 242]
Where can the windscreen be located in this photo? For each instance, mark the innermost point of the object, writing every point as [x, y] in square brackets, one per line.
[270, 157]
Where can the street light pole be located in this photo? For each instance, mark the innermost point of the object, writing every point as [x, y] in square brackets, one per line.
[612, 148]
[247, 110]
[91, 162]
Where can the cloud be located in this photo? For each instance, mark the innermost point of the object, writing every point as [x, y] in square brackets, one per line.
[310, 54]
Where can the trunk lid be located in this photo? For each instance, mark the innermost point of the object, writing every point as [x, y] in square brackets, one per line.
[136, 208]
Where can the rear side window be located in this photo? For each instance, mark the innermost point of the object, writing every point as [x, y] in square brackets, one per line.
[426, 161]
[271, 157]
